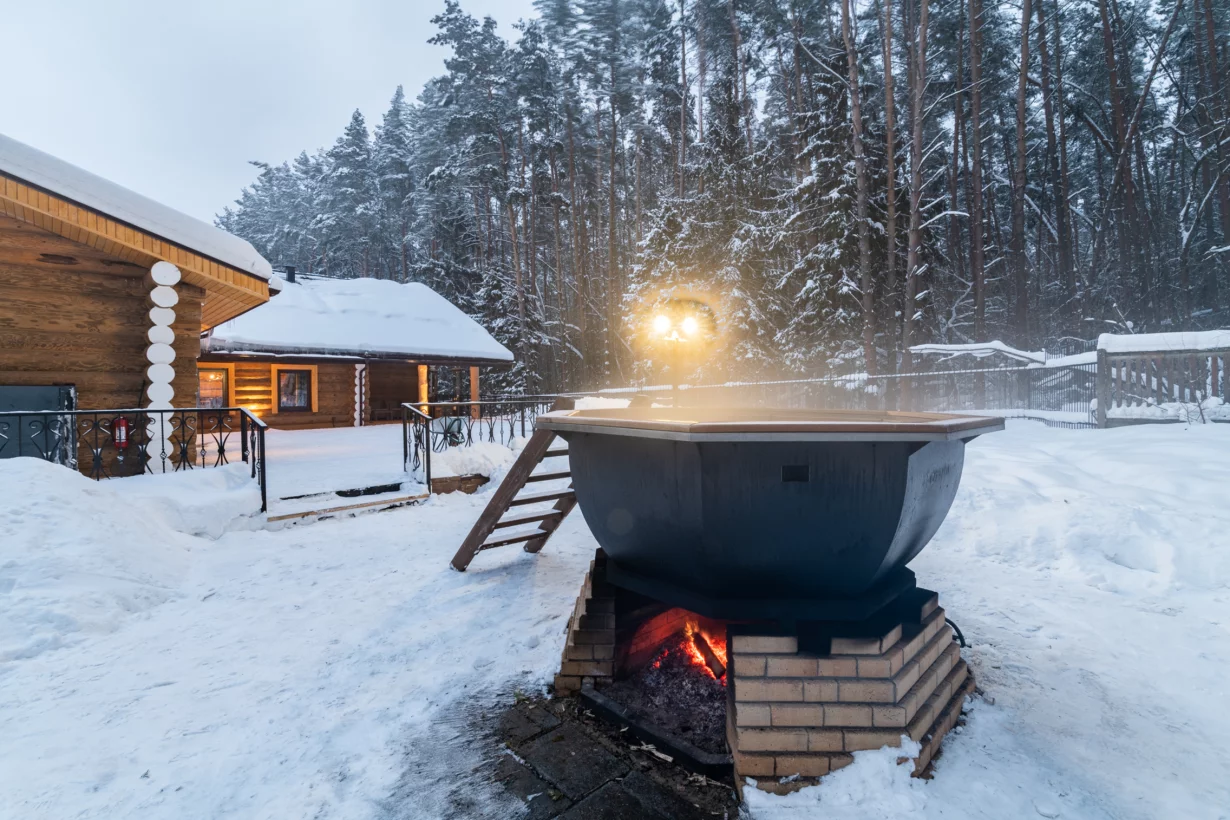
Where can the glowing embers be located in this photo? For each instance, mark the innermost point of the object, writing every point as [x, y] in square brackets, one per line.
[695, 648]
[706, 651]
[677, 692]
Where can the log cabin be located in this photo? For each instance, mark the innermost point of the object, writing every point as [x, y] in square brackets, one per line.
[344, 352]
[106, 292]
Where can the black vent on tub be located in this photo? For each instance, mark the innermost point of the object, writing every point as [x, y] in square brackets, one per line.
[795, 472]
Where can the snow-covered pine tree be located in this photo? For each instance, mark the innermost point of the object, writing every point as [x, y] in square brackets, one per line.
[393, 166]
[348, 204]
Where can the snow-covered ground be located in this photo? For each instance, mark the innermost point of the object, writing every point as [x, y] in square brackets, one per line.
[155, 666]
[307, 462]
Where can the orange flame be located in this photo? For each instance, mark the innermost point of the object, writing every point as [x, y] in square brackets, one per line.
[698, 658]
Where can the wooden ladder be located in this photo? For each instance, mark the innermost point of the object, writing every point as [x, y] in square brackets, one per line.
[536, 451]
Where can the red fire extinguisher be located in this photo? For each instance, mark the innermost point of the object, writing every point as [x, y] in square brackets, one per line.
[119, 433]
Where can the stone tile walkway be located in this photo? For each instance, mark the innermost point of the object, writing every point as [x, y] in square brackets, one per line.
[564, 763]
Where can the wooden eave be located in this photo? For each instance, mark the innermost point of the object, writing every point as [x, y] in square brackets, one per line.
[228, 290]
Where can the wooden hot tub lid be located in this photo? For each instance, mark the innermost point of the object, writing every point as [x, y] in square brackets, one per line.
[752, 424]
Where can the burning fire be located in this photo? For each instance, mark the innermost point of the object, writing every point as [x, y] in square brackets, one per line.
[696, 645]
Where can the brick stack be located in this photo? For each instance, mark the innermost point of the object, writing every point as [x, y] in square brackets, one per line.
[589, 652]
[799, 713]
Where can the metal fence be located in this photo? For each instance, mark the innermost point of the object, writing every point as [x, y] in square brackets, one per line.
[114, 443]
[1056, 396]
[429, 427]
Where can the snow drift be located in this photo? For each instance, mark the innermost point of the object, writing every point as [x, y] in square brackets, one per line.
[79, 556]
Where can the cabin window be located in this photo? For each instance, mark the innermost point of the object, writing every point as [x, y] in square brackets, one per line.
[213, 388]
[294, 391]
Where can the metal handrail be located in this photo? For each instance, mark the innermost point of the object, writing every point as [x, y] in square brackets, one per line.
[177, 428]
[410, 414]
[437, 425]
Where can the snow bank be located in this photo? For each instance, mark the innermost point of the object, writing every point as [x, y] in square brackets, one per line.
[1211, 409]
[76, 556]
[205, 502]
[358, 317]
[875, 785]
[81, 556]
[481, 458]
[20, 161]
[984, 772]
[1161, 342]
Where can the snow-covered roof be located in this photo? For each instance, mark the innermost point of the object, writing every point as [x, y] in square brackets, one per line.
[358, 318]
[1031, 358]
[979, 350]
[29, 165]
[1162, 342]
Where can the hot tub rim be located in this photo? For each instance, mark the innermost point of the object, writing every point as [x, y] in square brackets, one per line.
[937, 427]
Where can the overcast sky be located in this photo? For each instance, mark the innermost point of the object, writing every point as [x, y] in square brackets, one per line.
[172, 98]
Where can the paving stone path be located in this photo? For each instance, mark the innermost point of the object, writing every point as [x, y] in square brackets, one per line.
[564, 763]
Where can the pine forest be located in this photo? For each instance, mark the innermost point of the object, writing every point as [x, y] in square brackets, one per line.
[836, 180]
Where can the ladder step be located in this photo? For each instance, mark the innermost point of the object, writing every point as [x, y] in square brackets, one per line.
[555, 453]
[516, 539]
[527, 519]
[535, 499]
[548, 477]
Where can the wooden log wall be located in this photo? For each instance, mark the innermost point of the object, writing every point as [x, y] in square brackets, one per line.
[72, 315]
[254, 390]
[391, 384]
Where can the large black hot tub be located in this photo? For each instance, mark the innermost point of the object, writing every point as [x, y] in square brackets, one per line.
[764, 513]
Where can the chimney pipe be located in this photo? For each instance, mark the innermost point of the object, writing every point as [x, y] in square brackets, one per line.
[290, 273]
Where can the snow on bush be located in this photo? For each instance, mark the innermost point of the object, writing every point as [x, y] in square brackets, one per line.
[79, 556]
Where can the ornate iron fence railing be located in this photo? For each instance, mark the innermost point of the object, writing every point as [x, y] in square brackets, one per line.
[116, 443]
[429, 427]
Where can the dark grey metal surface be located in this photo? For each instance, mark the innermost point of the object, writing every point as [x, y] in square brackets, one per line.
[761, 521]
[52, 438]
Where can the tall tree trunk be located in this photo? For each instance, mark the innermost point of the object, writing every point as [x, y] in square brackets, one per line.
[861, 186]
[562, 329]
[640, 233]
[1062, 244]
[894, 310]
[1065, 201]
[701, 69]
[683, 94]
[976, 221]
[741, 73]
[613, 278]
[1126, 222]
[576, 223]
[916, 181]
[1020, 267]
[1221, 110]
[958, 147]
[516, 260]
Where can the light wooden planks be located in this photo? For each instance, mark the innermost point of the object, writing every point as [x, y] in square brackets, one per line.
[229, 291]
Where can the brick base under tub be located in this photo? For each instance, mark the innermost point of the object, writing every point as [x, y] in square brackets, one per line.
[801, 713]
[589, 652]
